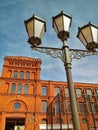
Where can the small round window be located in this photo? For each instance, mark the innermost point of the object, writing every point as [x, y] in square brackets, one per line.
[17, 105]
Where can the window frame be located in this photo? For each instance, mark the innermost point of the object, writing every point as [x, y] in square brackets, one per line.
[13, 88]
[78, 92]
[21, 74]
[15, 74]
[81, 107]
[19, 91]
[56, 90]
[89, 92]
[17, 105]
[69, 107]
[26, 88]
[27, 74]
[92, 107]
[57, 107]
[67, 92]
[44, 91]
[44, 106]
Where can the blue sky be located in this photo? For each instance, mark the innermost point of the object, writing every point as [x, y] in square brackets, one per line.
[13, 36]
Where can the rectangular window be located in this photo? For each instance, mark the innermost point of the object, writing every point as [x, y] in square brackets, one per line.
[19, 88]
[15, 74]
[89, 92]
[56, 91]
[67, 92]
[57, 107]
[78, 92]
[27, 75]
[92, 107]
[44, 91]
[44, 106]
[21, 74]
[25, 88]
[81, 107]
[13, 87]
[96, 91]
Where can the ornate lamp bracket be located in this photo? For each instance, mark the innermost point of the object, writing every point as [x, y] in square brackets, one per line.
[58, 52]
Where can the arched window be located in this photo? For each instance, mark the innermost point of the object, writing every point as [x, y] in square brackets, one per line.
[44, 121]
[13, 87]
[27, 75]
[96, 91]
[56, 91]
[21, 74]
[19, 88]
[44, 91]
[44, 106]
[9, 73]
[7, 87]
[67, 92]
[89, 92]
[25, 88]
[15, 74]
[78, 92]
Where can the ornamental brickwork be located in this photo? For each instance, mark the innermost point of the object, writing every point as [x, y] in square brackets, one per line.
[27, 102]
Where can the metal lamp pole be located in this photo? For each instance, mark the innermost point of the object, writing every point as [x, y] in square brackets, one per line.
[67, 64]
[88, 34]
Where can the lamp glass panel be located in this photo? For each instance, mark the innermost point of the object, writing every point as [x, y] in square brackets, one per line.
[30, 28]
[55, 28]
[66, 21]
[82, 39]
[43, 31]
[39, 28]
[94, 34]
[87, 34]
[59, 24]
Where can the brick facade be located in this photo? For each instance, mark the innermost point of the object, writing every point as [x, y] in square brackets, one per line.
[22, 94]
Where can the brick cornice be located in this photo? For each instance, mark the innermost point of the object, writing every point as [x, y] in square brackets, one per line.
[22, 67]
[19, 80]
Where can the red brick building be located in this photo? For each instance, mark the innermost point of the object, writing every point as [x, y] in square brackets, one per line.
[30, 103]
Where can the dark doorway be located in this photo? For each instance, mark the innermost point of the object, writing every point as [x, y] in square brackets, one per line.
[12, 122]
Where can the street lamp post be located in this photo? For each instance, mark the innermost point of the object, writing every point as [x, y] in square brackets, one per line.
[88, 34]
[61, 24]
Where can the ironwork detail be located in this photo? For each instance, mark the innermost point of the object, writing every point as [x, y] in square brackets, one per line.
[53, 52]
[58, 52]
[59, 111]
[78, 54]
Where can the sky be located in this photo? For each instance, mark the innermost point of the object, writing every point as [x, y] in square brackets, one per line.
[13, 36]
